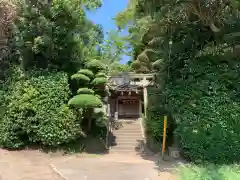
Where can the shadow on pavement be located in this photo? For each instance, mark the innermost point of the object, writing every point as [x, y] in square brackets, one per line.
[165, 164]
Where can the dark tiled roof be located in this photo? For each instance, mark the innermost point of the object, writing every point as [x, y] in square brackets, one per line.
[127, 86]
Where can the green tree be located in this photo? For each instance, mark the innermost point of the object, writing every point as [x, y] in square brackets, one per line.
[8, 12]
[57, 35]
[91, 83]
[186, 44]
[112, 50]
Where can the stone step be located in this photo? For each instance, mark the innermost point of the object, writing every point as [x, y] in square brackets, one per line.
[131, 147]
[127, 130]
[122, 124]
[122, 150]
[123, 144]
[127, 143]
[125, 150]
[128, 134]
[124, 147]
[129, 140]
[133, 142]
[127, 137]
[133, 135]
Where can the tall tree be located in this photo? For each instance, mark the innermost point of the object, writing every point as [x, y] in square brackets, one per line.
[57, 35]
[190, 45]
[112, 50]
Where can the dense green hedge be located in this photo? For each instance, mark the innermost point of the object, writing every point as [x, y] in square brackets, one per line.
[155, 116]
[37, 112]
[205, 102]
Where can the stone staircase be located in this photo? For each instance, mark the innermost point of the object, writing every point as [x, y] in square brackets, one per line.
[127, 137]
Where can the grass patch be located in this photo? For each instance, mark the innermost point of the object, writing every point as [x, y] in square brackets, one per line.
[209, 172]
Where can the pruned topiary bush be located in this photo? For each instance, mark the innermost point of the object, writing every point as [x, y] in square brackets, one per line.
[86, 72]
[85, 101]
[37, 114]
[96, 65]
[85, 91]
[87, 98]
[99, 81]
[81, 78]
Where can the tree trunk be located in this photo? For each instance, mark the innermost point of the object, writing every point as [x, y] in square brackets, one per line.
[90, 111]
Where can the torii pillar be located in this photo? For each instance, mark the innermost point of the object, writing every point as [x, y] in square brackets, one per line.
[145, 95]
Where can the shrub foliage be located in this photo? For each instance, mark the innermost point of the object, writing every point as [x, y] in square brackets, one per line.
[206, 106]
[36, 112]
[210, 172]
[195, 56]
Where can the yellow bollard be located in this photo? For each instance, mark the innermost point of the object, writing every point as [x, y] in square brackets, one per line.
[164, 135]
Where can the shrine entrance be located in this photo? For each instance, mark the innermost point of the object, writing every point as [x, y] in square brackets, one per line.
[128, 95]
[126, 105]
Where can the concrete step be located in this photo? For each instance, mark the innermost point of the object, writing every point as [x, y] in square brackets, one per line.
[127, 144]
[122, 151]
[127, 134]
[129, 141]
[129, 129]
[126, 147]
[129, 149]
[128, 138]
[123, 124]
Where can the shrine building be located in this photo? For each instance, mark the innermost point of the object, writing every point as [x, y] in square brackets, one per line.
[128, 97]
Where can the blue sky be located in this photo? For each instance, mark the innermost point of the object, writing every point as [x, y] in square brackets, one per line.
[105, 14]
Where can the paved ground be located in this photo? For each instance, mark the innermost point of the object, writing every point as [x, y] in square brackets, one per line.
[34, 165]
[25, 165]
[111, 167]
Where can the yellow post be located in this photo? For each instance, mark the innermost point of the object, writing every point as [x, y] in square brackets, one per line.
[164, 135]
